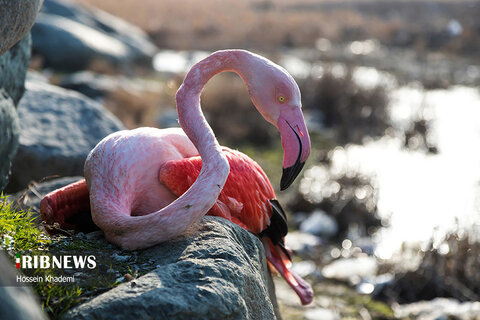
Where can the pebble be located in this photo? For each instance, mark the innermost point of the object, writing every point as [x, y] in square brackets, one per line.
[301, 241]
[351, 269]
[94, 235]
[305, 268]
[320, 224]
[120, 258]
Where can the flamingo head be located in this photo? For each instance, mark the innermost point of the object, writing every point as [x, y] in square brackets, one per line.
[277, 97]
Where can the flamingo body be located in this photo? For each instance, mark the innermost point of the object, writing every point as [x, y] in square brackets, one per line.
[147, 185]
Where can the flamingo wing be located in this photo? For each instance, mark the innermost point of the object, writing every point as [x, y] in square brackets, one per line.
[245, 198]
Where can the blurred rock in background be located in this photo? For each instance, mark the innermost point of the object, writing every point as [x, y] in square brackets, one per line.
[71, 37]
[58, 128]
[16, 19]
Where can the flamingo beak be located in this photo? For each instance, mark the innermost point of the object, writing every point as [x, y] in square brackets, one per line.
[295, 142]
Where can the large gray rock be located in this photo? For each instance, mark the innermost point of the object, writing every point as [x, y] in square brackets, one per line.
[95, 85]
[71, 37]
[18, 302]
[16, 18]
[13, 68]
[215, 271]
[8, 136]
[58, 128]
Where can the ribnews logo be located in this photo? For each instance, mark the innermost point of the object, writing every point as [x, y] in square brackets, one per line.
[58, 262]
[26, 262]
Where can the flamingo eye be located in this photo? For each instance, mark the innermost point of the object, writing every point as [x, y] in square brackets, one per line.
[281, 99]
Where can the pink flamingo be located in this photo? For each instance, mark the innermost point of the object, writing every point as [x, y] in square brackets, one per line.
[134, 177]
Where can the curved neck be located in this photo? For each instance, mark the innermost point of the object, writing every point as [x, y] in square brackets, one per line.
[215, 168]
[190, 115]
[135, 232]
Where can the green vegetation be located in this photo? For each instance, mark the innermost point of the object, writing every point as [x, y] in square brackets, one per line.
[19, 233]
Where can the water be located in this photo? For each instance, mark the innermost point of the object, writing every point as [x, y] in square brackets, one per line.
[171, 61]
[424, 194]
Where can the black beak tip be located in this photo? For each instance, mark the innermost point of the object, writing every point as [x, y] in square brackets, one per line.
[289, 175]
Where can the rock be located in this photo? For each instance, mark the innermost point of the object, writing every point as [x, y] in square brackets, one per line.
[58, 129]
[351, 269]
[96, 85]
[13, 68]
[320, 224]
[16, 19]
[71, 37]
[37, 76]
[9, 133]
[68, 45]
[305, 268]
[216, 270]
[90, 84]
[302, 242]
[439, 308]
[18, 302]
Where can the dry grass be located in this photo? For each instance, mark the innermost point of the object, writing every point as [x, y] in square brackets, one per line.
[269, 25]
[447, 269]
[352, 111]
[216, 24]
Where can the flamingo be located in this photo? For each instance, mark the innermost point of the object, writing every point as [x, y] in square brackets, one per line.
[149, 185]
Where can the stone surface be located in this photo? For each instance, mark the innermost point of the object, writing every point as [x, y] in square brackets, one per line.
[319, 223]
[18, 302]
[58, 129]
[351, 269]
[9, 133]
[95, 85]
[16, 18]
[13, 68]
[216, 270]
[71, 37]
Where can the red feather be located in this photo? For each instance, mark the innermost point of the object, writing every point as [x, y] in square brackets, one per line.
[245, 197]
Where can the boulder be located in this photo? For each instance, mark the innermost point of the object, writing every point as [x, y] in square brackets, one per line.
[58, 128]
[16, 19]
[8, 136]
[319, 223]
[18, 302]
[13, 68]
[95, 85]
[216, 270]
[71, 37]
[91, 84]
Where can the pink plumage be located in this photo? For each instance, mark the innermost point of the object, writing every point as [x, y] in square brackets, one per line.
[133, 203]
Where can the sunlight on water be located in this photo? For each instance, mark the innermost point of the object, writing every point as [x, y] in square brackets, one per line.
[424, 194]
[171, 61]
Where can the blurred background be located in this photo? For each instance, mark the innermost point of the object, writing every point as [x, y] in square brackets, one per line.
[385, 217]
